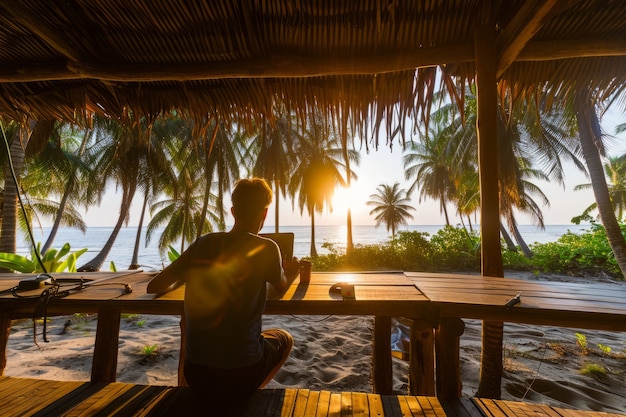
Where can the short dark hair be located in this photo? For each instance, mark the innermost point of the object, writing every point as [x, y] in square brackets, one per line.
[250, 196]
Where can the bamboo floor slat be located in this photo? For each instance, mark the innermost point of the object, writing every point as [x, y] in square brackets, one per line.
[36, 397]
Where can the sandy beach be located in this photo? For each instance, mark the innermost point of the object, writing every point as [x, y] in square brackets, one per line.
[542, 364]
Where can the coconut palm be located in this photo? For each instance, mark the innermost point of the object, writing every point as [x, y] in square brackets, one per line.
[220, 157]
[391, 207]
[615, 171]
[430, 164]
[593, 147]
[118, 157]
[272, 151]
[182, 209]
[318, 170]
[18, 139]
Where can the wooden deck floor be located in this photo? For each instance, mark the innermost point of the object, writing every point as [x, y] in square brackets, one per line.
[35, 397]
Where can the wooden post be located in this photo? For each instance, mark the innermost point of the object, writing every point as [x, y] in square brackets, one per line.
[104, 366]
[448, 343]
[383, 372]
[491, 255]
[5, 329]
[422, 359]
[182, 381]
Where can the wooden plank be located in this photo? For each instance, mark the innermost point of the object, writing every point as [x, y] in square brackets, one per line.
[323, 404]
[300, 405]
[489, 407]
[334, 406]
[360, 404]
[289, 401]
[375, 404]
[427, 408]
[414, 406]
[312, 404]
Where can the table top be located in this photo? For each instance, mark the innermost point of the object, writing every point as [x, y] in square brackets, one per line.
[388, 293]
[600, 306]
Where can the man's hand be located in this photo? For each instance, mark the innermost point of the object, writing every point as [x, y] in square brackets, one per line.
[291, 268]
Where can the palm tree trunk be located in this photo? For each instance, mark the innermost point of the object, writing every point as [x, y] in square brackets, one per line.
[277, 199]
[520, 240]
[57, 220]
[134, 263]
[590, 137]
[510, 245]
[313, 249]
[442, 204]
[96, 263]
[69, 188]
[8, 230]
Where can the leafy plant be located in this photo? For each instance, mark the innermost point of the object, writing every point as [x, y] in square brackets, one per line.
[172, 254]
[53, 260]
[604, 348]
[581, 340]
[593, 369]
[150, 351]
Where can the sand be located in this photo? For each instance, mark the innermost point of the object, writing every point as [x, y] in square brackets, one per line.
[542, 364]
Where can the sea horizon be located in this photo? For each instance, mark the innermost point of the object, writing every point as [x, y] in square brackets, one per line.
[325, 235]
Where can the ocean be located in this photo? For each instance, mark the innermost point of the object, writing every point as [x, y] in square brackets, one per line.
[150, 258]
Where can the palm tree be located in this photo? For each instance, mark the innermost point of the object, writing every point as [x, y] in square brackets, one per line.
[272, 151]
[429, 164]
[18, 140]
[183, 208]
[615, 171]
[390, 207]
[117, 157]
[318, 170]
[156, 170]
[592, 146]
[220, 157]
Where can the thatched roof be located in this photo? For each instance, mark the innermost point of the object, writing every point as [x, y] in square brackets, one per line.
[372, 59]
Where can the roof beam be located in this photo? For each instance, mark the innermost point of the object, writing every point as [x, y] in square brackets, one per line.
[524, 25]
[300, 67]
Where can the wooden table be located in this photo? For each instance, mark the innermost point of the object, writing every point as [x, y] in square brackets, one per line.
[593, 306]
[382, 295]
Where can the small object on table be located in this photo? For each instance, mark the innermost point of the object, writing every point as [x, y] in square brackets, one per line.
[515, 300]
[305, 271]
[344, 289]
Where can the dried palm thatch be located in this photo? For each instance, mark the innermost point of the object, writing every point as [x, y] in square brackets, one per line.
[373, 60]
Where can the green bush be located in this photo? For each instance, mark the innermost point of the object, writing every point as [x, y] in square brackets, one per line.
[456, 249]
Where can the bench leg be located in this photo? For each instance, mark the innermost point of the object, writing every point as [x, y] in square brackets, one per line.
[383, 371]
[5, 329]
[104, 366]
[182, 381]
[447, 345]
[422, 359]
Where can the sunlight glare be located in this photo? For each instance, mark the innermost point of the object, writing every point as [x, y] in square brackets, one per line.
[343, 200]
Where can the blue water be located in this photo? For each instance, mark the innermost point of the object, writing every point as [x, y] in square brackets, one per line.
[149, 256]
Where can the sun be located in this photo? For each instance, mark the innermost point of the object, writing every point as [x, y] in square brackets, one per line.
[343, 199]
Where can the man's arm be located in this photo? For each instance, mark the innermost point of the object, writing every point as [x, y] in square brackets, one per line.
[172, 276]
[291, 269]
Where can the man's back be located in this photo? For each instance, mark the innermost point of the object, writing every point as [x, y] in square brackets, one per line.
[225, 297]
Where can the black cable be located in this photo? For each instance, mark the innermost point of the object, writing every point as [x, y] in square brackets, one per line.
[19, 197]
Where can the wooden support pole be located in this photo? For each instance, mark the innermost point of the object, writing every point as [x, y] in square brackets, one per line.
[182, 381]
[448, 343]
[422, 359]
[491, 255]
[383, 372]
[5, 329]
[104, 366]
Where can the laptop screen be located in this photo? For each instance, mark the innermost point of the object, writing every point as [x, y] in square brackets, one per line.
[284, 242]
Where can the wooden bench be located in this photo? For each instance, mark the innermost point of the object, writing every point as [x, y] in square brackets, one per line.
[38, 397]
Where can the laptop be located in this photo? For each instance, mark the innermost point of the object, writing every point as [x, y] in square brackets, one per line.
[284, 242]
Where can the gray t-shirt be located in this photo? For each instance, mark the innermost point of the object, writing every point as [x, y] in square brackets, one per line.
[225, 297]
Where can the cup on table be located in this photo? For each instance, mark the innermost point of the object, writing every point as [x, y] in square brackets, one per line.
[305, 271]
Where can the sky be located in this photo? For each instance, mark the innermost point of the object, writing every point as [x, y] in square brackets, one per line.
[384, 166]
